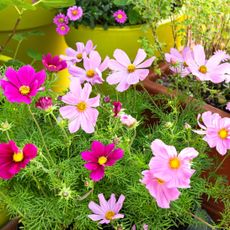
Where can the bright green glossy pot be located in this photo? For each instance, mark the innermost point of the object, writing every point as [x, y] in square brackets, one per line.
[125, 38]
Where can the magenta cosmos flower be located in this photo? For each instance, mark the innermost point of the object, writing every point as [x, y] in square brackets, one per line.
[73, 56]
[93, 69]
[159, 189]
[99, 157]
[173, 168]
[23, 84]
[216, 131]
[208, 70]
[12, 159]
[120, 16]
[74, 13]
[80, 110]
[60, 19]
[177, 61]
[107, 210]
[44, 103]
[126, 73]
[53, 64]
[62, 29]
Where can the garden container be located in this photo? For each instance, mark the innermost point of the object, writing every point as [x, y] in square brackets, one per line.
[125, 38]
[214, 208]
[39, 23]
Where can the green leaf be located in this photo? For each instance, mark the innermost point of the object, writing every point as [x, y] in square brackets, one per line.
[25, 35]
[34, 54]
[58, 3]
[133, 16]
[120, 2]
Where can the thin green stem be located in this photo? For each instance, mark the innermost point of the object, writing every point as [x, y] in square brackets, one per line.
[17, 48]
[150, 97]
[226, 156]
[8, 136]
[64, 134]
[40, 132]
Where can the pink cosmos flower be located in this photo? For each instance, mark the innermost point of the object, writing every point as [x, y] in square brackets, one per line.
[120, 16]
[159, 189]
[93, 69]
[177, 61]
[53, 64]
[116, 108]
[60, 19]
[99, 157]
[73, 56]
[12, 159]
[126, 73]
[128, 120]
[44, 103]
[107, 210]
[80, 110]
[74, 13]
[173, 168]
[23, 84]
[145, 227]
[228, 106]
[216, 131]
[210, 69]
[62, 29]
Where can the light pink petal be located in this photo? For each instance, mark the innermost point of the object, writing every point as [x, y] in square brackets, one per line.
[70, 99]
[80, 47]
[146, 63]
[213, 61]
[188, 154]
[75, 87]
[74, 124]
[222, 150]
[111, 202]
[104, 64]
[122, 86]
[116, 66]
[95, 217]
[142, 73]
[86, 124]
[133, 78]
[86, 92]
[95, 208]
[116, 77]
[94, 101]
[119, 204]
[95, 59]
[141, 55]
[121, 57]
[118, 216]
[76, 71]
[199, 55]
[103, 203]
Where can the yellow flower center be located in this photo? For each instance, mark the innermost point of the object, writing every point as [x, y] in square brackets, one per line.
[119, 16]
[74, 12]
[223, 133]
[18, 157]
[61, 20]
[90, 73]
[102, 160]
[81, 106]
[109, 215]
[131, 68]
[63, 28]
[79, 56]
[174, 163]
[160, 181]
[24, 90]
[203, 69]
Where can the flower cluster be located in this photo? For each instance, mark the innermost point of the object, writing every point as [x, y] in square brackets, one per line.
[168, 172]
[216, 130]
[193, 61]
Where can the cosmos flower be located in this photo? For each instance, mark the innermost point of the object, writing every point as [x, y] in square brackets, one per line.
[99, 157]
[216, 131]
[93, 68]
[159, 189]
[22, 84]
[124, 73]
[117, 105]
[44, 103]
[62, 29]
[80, 110]
[53, 64]
[171, 167]
[74, 56]
[120, 16]
[12, 159]
[107, 210]
[74, 13]
[177, 61]
[60, 19]
[128, 120]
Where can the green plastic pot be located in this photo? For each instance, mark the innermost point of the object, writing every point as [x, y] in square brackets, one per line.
[125, 38]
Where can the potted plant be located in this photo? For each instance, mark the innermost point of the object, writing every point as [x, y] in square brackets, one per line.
[123, 23]
[25, 29]
[85, 160]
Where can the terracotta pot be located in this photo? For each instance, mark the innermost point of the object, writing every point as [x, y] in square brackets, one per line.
[11, 225]
[214, 208]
